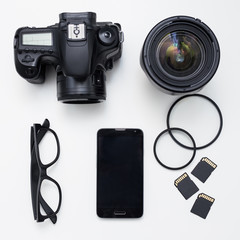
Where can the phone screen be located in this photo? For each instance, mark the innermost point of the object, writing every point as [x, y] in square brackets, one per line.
[120, 173]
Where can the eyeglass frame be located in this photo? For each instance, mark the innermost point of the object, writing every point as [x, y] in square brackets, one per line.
[37, 176]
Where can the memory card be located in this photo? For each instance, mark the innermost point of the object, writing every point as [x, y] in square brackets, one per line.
[204, 169]
[202, 205]
[186, 186]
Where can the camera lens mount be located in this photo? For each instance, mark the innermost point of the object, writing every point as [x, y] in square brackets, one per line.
[180, 55]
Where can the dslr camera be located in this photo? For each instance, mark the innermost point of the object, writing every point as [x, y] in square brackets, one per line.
[79, 48]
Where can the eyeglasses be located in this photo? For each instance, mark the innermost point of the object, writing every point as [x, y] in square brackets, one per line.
[39, 174]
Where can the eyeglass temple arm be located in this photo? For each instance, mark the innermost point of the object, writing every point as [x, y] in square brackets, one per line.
[40, 135]
[47, 209]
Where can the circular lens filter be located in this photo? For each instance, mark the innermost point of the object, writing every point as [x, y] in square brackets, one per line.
[169, 130]
[209, 100]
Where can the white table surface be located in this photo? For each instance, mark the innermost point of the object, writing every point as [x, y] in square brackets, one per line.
[132, 101]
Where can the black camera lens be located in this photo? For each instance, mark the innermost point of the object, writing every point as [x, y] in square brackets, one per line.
[180, 55]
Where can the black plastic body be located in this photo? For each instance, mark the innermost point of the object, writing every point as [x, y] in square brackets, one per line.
[120, 173]
[80, 63]
[167, 83]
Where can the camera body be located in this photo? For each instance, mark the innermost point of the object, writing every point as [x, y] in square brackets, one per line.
[79, 48]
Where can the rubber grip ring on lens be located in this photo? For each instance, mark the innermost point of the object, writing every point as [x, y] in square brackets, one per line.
[220, 117]
[169, 131]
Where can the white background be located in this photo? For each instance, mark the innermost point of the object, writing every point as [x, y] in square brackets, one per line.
[132, 101]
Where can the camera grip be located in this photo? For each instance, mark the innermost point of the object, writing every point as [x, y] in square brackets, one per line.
[33, 74]
[33, 49]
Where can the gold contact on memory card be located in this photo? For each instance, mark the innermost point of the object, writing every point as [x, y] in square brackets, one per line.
[208, 161]
[210, 199]
[177, 181]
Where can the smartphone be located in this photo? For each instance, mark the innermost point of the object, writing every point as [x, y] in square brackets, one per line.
[120, 173]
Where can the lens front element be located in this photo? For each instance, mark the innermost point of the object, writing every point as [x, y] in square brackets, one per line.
[180, 54]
